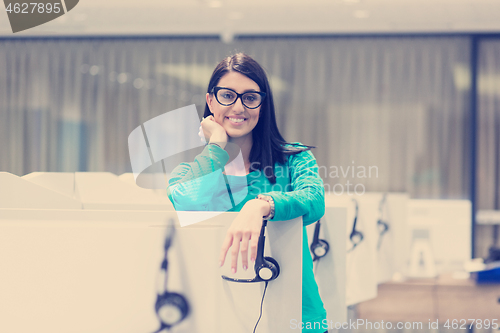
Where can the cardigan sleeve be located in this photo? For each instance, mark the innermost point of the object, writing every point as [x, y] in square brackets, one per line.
[191, 185]
[307, 197]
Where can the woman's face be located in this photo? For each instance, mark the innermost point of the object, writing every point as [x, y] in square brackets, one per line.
[230, 117]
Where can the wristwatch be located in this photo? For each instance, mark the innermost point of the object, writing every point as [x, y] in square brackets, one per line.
[271, 203]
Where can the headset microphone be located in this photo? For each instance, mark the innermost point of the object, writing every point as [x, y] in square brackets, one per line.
[266, 268]
[319, 247]
[171, 308]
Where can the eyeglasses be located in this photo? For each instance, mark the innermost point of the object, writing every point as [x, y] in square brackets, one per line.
[250, 99]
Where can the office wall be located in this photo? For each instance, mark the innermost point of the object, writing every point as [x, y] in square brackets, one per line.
[386, 114]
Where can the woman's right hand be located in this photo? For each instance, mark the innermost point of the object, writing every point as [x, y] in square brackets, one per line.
[211, 131]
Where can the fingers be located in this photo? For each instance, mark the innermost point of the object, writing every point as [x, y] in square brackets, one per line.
[254, 242]
[244, 250]
[201, 135]
[242, 237]
[204, 130]
[225, 246]
[235, 249]
[233, 242]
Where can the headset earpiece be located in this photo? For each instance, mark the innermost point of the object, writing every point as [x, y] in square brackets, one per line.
[171, 308]
[266, 268]
[319, 247]
[269, 270]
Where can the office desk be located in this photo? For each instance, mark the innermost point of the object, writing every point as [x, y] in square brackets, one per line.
[440, 299]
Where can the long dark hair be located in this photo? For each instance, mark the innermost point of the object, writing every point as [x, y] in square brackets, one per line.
[269, 146]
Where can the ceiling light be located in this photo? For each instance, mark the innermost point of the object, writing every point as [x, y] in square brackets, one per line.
[138, 83]
[94, 70]
[122, 77]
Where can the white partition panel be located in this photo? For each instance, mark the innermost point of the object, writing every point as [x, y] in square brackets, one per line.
[62, 182]
[89, 271]
[151, 180]
[330, 271]
[19, 193]
[283, 298]
[104, 190]
[393, 245]
[361, 261]
[86, 271]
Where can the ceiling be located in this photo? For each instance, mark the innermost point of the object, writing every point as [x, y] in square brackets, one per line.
[236, 17]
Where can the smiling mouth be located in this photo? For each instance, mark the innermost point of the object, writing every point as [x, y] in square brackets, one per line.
[237, 120]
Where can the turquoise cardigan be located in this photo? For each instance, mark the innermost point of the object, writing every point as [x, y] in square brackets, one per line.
[298, 191]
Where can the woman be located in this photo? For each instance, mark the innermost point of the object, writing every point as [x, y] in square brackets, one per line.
[280, 179]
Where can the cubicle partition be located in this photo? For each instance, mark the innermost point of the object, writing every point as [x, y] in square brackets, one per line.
[97, 270]
[376, 247]
[330, 270]
[392, 245]
[100, 190]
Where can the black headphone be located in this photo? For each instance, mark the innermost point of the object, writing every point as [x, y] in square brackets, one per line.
[171, 308]
[356, 236]
[382, 226]
[319, 247]
[266, 268]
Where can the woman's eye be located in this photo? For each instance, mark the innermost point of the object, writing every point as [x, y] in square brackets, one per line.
[227, 95]
[250, 98]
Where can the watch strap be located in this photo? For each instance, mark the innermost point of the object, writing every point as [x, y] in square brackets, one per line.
[270, 200]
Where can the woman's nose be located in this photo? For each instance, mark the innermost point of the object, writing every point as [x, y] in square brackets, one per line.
[238, 105]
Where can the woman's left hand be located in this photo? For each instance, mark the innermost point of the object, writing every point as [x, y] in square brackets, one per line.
[245, 229]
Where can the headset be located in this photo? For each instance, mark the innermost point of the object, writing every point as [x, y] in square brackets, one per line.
[382, 226]
[356, 236]
[319, 247]
[171, 308]
[266, 268]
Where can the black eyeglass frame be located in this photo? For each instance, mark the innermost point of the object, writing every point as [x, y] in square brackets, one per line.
[215, 90]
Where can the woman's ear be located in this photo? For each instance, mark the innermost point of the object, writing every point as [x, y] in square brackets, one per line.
[209, 97]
